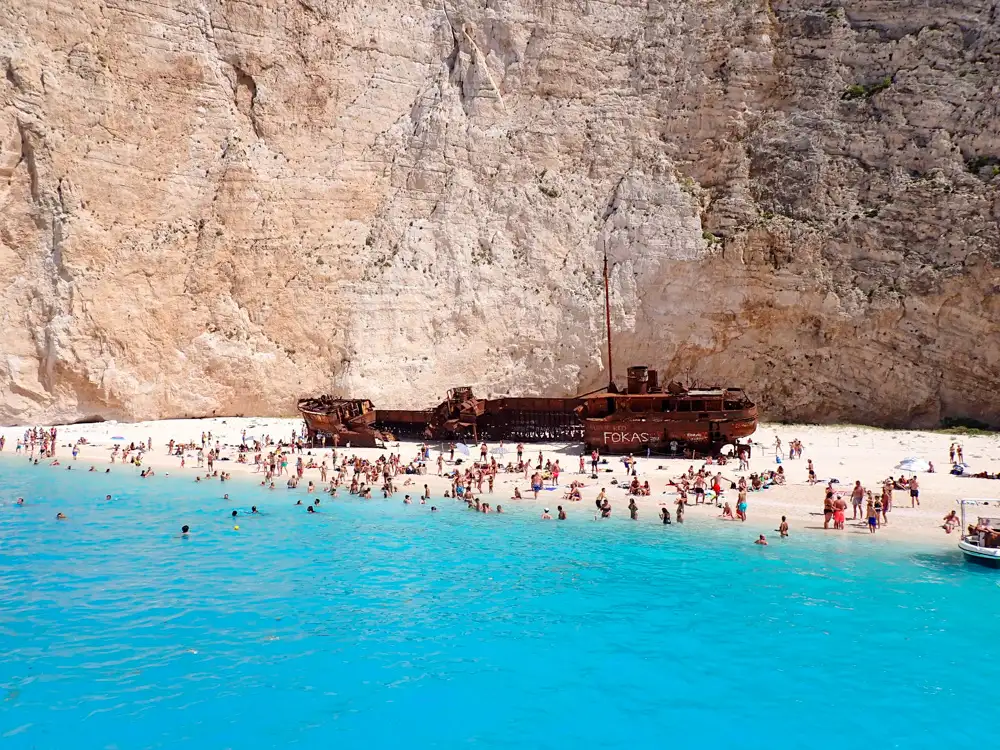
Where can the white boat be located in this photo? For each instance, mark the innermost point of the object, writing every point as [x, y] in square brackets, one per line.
[981, 545]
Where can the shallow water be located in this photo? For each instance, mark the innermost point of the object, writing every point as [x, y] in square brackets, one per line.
[377, 624]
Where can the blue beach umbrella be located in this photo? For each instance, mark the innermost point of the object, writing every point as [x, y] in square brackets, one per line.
[462, 448]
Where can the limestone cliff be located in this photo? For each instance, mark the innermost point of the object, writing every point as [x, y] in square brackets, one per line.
[212, 207]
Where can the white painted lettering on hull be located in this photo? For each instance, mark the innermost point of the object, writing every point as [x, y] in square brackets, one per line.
[621, 436]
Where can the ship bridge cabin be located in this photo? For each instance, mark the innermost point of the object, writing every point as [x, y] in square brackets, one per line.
[643, 395]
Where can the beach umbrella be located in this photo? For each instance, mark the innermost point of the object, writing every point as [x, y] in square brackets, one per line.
[913, 464]
[462, 448]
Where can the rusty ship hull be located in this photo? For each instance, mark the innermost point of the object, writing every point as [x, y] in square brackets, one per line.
[341, 421]
[642, 417]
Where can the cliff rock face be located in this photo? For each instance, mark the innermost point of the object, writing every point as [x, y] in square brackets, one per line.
[213, 207]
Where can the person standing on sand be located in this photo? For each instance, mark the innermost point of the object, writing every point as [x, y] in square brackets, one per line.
[594, 459]
[958, 453]
[839, 512]
[583, 464]
[536, 483]
[828, 508]
[777, 447]
[812, 471]
[520, 451]
[857, 496]
[951, 454]
[872, 518]
[914, 492]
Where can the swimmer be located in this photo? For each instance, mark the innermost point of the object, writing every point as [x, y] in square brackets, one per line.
[20, 501]
[562, 514]
[316, 501]
[60, 517]
[434, 509]
[761, 541]
[233, 514]
[783, 527]
[185, 529]
[545, 515]
[499, 509]
[197, 479]
[107, 497]
[93, 468]
[310, 509]
[407, 501]
[107, 471]
[226, 496]
[253, 509]
[423, 501]
[299, 502]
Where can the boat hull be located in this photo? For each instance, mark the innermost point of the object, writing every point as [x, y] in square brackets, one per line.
[986, 556]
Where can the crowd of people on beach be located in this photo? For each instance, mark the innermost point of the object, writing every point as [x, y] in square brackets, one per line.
[472, 481]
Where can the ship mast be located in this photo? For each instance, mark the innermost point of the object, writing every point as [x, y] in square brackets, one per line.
[607, 319]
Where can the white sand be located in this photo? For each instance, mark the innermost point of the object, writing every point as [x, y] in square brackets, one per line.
[847, 453]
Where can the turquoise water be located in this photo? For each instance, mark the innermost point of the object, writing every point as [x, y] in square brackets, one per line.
[378, 624]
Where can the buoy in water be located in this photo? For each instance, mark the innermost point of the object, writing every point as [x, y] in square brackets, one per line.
[236, 528]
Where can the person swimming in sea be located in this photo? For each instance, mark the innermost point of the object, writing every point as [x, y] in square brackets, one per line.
[253, 509]
[234, 514]
[545, 515]
[226, 496]
[20, 501]
[562, 514]
[310, 509]
[60, 517]
[761, 541]
[434, 509]
[185, 530]
[299, 502]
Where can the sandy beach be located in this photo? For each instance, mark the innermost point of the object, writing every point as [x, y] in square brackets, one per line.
[846, 453]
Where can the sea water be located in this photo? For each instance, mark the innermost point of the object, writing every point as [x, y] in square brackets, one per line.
[378, 624]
